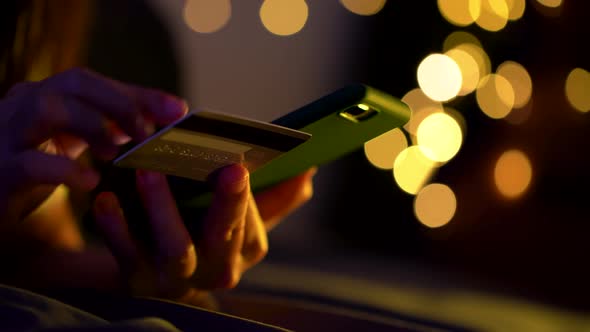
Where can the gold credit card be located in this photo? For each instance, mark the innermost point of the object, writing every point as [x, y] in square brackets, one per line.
[201, 142]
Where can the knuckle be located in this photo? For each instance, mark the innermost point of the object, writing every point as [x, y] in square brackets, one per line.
[259, 250]
[73, 78]
[230, 277]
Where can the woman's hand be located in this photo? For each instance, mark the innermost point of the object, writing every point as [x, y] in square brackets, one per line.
[234, 238]
[44, 126]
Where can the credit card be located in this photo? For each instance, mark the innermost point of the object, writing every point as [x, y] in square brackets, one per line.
[201, 142]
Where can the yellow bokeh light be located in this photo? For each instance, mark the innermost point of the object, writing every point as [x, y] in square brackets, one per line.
[435, 205]
[550, 3]
[206, 16]
[495, 96]
[459, 37]
[469, 70]
[520, 80]
[439, 77]
[493, 14]
[421, 107]
[382, 150]
[479, 55]
[516, 9]
[577, 89]
[456, 12]
[284, 17]
[439, 137]
[513, 173]
[412, 169]
[364, 7]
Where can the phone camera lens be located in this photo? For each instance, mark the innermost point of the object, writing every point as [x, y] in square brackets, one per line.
[358, 113]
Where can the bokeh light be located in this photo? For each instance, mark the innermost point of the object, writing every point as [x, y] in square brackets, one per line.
[516, 9]
[412, 169]
[382, 150]
[479, 55]
[439, 137]
[364, 7]
[495, 96]
[469, 70]
[284, 17]
[206, 16]
[456, 12]
[513, 173]
[439, 77]
[493, 14]
[459, 37]
[577, 89]
[520, 80]
[435, 205]
[421, 107]
[550, 3]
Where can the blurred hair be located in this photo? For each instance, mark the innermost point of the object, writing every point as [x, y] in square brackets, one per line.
[40, 37]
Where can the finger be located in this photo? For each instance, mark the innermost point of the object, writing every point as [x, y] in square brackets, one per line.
[276, 203]
[157, 106]
[115, 232]
[108, 95]
[127, 104]
[52, 114]
[255, 244]
[32, 168]
[175, 252]
[224, 230]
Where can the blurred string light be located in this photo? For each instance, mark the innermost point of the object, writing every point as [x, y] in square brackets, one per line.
[495, 96]
[364, 7]
[439, 77]
[456, 11]
[520, 80]
[421, 107]
[206, 16]
[469, 70]
[491, 15]
[577, 89]
[284, 17]
[513, 173]
[382, 150]
[550, 3]
[412, 169]
[439, 137]
[435, 205]
[516, 9]
[484, 65]
[459, 37]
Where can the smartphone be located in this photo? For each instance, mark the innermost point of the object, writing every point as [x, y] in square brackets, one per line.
[339, 123]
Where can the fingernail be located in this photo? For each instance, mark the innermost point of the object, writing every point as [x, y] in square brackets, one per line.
[235, 179]
[175, 107]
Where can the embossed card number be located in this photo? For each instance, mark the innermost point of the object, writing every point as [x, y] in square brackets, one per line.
[202, 142]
